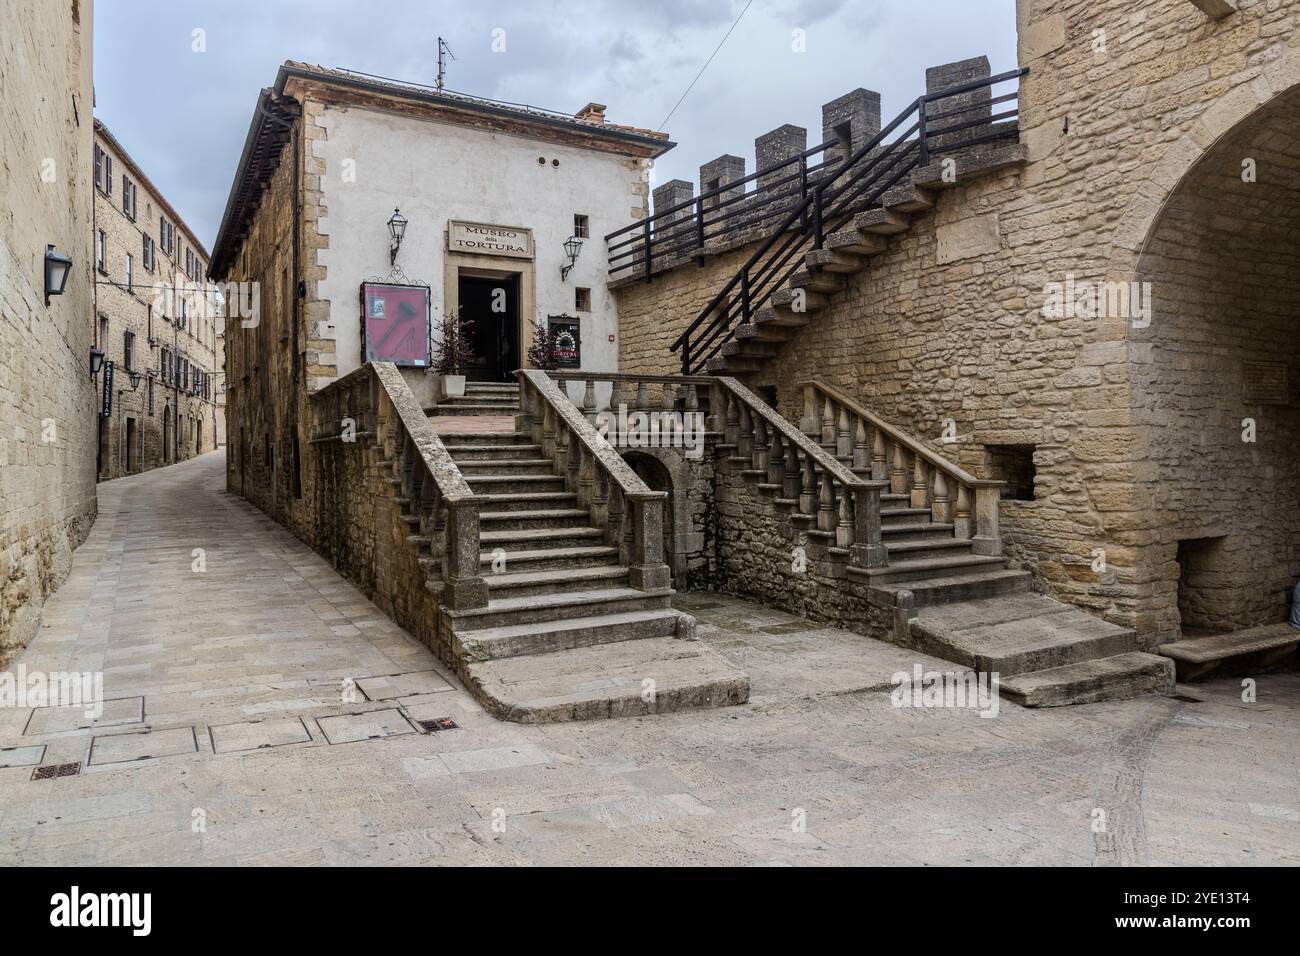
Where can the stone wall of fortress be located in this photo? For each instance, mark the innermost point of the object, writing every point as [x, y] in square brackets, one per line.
[1121, 102]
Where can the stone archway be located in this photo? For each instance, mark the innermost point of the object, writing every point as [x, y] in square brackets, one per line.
[1215, 393]
[665, 470]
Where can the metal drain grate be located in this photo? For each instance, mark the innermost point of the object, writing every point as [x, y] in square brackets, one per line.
[438, 724]
[56, 770]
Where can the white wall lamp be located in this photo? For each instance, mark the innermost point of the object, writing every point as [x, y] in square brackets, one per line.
[57, 267]
[396, 230]
[572, 246]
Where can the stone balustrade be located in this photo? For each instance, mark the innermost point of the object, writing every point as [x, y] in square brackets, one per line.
[873, 448]
[617, 498]
[374, 407]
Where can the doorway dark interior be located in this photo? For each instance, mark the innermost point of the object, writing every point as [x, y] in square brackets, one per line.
[493, 306]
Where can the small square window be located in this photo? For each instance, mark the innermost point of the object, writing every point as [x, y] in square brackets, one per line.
[582, 299]
[1013, 464]
[581, 227]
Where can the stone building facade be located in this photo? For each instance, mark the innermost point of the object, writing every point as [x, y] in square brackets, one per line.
[154, 317]
[1154, 450]
[347, 150]
[47, 396]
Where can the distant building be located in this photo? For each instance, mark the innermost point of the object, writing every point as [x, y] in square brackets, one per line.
[154, 321]
[47, 392]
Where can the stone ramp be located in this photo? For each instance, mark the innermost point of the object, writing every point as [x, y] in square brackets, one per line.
[1047, 653]
[624, 679]
[1256, 649]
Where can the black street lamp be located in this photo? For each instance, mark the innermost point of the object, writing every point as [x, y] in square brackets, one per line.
[572, 246]
[396, 230]
[57, 267]
[96, 362]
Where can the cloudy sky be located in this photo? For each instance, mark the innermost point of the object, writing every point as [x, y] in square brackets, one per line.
[183, 114]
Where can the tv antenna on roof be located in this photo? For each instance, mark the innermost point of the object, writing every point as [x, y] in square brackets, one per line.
[442, 67]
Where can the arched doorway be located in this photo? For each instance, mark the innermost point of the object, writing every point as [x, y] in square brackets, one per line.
[1217, 388]
[658, 478]
[167, 435]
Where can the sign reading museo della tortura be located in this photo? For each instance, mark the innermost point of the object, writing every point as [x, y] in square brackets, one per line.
[476, 237]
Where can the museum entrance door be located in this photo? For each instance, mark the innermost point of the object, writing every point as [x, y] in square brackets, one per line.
[492, 304]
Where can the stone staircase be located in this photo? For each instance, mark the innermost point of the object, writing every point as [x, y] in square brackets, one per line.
[943, 579]
[1046, 653]
[825, 272]
[480, 398]
[565, 635]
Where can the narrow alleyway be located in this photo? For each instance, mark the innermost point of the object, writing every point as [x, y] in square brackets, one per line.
[260, 710]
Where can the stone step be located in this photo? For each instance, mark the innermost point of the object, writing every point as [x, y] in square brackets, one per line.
[511, 388]
[1018, 634]
[812, 301]
[909, 548]
[472, 453]
[811, 281]
[895, 515]
[978, 160]
[557, 556]
[554, 518]
[607, 680]
[858, 243]
[482, 398]
[764, 331]
[1254, 650]
[563, 605]
[921, 569]
[550, 637]
[506, 467]
[734, 364]
[775, 320]
[906, 197]
[476, 409]
[749, 348]
[461, 440]
[529, 501]
[931, 591]
[515, 483]
[881, 222]
[914, 530]
[524, 539]
[553, 581]
[838, 261]
[1107, 678]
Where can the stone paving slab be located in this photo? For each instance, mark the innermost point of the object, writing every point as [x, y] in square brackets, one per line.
[819, 768]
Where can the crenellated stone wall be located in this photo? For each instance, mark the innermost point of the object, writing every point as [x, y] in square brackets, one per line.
[952, 327]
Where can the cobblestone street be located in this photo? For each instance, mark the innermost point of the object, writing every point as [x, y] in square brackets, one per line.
[225, 738]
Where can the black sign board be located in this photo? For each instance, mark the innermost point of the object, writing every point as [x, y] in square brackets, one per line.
[106, 406]
[566, 340]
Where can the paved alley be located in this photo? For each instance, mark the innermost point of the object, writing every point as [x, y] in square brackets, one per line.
[261, 710]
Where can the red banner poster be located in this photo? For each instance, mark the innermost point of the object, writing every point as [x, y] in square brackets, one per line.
[396, 323]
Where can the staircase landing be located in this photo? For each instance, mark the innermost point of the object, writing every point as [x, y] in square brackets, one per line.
[1047, 653]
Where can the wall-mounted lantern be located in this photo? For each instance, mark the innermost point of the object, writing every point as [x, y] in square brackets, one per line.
[134, 377]
[57, 267]
[96, 362]
[572, 246]
[396, 230]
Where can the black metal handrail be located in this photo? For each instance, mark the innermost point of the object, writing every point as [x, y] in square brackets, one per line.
[821, 204]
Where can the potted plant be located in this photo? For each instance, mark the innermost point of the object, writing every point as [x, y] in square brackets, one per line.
[541, 354]
[454, 353]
